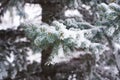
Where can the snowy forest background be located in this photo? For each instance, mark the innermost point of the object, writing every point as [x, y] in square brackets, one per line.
[59, 39]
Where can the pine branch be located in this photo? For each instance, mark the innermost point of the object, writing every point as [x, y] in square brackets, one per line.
[112, 47]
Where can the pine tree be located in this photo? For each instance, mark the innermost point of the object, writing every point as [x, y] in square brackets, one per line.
[74, 47]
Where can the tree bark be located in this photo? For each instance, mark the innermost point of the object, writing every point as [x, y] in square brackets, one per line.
[51, 9]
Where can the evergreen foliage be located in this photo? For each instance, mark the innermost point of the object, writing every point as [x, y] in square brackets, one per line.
[95, 39]
[71, 48]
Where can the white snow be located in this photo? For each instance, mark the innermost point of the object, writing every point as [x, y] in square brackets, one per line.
[117, 45]
[13, 20]
[104, 6]
[33, 56]
[85, 6]
[11, 58]
[114, 6]
[106, 67]
[60, 51]
[33, 12]
[72, 13]
[9, 21]
[21, 39]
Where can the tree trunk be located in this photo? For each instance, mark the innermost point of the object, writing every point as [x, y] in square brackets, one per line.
[51, 9]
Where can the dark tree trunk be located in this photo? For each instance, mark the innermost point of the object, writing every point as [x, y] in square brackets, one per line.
[46, 70]
[51, 9]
